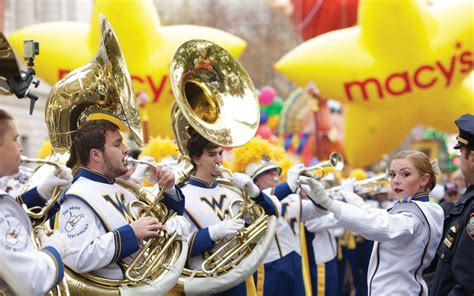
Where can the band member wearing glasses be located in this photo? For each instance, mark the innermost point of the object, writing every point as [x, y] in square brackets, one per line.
[24, 269]
[94, 212]
[207, 203]
[406, 236]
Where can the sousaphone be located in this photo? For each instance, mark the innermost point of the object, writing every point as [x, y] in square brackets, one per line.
[215, 96]
[103, 89]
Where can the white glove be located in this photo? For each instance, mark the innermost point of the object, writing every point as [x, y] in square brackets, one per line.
[178, 224]
[57, 240]
[225, 229]
[353, 199]
[244, 182]
[348, 185]
[63, 181]
[139, 174]
[293, 174]
[315, 191]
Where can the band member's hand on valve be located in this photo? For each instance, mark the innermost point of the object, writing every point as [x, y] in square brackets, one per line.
[293, 174]
[58, 241]
[146, 227]
[244, 182]
[62, 180]
[178, 224]
[139, 174]
[225, 229]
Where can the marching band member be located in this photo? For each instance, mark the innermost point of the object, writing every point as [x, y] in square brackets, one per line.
[25, 270]
[207, 202]
[282, 267]
[282, 271]
[93, 211]
[406, 236]
[322, 253]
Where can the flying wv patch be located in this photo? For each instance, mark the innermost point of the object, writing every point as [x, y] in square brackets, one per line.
[217, 206]
[119, 204]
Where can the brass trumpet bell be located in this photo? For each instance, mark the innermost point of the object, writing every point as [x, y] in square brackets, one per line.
[216, 97]
[102, 86]
[336, 161]
[10, 68]
[214, 93]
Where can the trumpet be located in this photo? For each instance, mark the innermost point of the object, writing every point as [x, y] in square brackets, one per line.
[38, 212]
[335, 161]
[372, 184]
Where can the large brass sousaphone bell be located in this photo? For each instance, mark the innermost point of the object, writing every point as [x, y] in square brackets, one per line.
[10, 68]
[103, 89]
[216, 97]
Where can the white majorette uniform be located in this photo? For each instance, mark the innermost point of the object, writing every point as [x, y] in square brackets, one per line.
[406, 238]
[23, 269]
[94, 216]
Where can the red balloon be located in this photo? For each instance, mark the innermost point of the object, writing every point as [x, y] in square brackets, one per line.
[315, 17]
[264, 131]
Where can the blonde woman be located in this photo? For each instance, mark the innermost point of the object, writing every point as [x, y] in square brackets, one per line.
[406, 236]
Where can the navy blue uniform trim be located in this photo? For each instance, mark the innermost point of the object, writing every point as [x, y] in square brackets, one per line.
[201, 183]
[57, 261]
[92, 175]
[282, 190]
[201, 243]
[176, 205]
[263, 200]
[126, 242]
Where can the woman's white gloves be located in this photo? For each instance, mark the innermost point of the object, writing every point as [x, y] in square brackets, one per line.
[315, 191]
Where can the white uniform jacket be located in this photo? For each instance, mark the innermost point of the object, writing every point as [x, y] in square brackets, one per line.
[293, 211]
[406, 238]
[23, 269]
[207, 205]
[324, 240]
[94, 216]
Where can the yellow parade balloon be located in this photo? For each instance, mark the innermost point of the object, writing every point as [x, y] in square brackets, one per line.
[404, 64]
[146, 45]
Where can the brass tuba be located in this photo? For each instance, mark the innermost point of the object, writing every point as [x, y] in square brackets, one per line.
[103, 88]
[215, 96]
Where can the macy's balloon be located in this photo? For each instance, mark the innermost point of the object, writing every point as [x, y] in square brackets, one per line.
[404, 64]
[146, 45]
